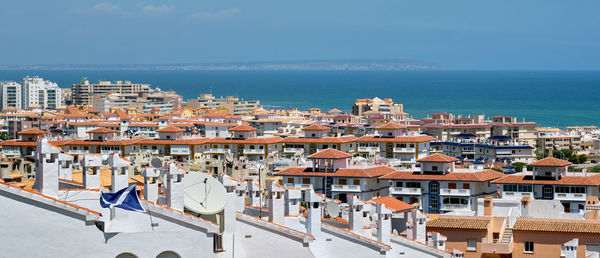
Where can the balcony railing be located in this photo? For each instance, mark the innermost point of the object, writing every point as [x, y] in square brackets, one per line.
[518, 195]
[367, 149]
[78, 151]
[456, 192]
[11, 152]
[570, 196]
[301, 186]
[254, 151]
[293, 150]
[455, 207]
[405, 191]
[345, 188]
[109, 151]
[180, 151]
[404, 149]
[495, 246]
[217, 150]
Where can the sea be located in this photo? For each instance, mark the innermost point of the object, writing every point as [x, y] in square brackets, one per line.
[550, 98]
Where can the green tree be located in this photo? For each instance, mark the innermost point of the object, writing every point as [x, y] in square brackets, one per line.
[567, 153]
[519, 166]
[4, 136]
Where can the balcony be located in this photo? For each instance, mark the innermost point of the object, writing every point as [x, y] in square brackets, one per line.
[570, 196]
[495, 246]
[217, 150]
[368, 149]
[405, 191]
[75, 152]
[301, 186]
[455, 207]
[254, 151]
[180, 151]
[293, 150]
[455, 192]
[516, 195]
[110, 151]
[345, 188]
[411, 150]
[11, 152]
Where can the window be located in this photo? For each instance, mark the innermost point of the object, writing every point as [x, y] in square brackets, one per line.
[398, 184]
[342, 181]
[472, 245]
[306, 180]
[356, 182]
[290, 180]
[528, 247]
[413, 185]
[451, 185]
[466, 186]
[434, 168]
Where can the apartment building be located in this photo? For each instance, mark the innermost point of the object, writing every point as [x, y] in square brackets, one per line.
[11, 94]
[37, 91]
[83, 92]
[244, 143]
[315, 139]
[231, 104]
[383, 106]
[440, 187]
[558, 140]
[493, 149]
[522, 132]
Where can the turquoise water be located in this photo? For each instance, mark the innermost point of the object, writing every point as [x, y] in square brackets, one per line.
[549, 98]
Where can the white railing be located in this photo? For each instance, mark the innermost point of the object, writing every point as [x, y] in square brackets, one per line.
[461, 192]
[346, 188]
[368, 149]
[254, 151]
[11, 152]
[109, 151]
[301, 186]
[217, 150]
[404, 149]
[518, 195]
[180, 151]
[405, 191]
[570, 196]
[455, 207]
[294, 150]
[78, 151]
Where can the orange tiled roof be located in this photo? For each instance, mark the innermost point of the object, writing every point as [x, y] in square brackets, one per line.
[557, 225]
[565, 180]
[315, 127]
[459, 222]
[344, 139]
[437, 157]
[420, 138]
[33, 131]
[550, 162]
[265, 140]
[391, 126]
[170, 129]
[342, 172]
[242, 128]
[330, 153]
[481, 176]
[102, 130]
[392, 203]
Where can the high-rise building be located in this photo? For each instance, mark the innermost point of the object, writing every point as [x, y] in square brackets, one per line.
[232, 104]
[82, 92]
[10, 94]
[36, 90]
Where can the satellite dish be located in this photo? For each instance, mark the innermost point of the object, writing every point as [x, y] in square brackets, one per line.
[333, 209]
[156, 163]
[203, 193]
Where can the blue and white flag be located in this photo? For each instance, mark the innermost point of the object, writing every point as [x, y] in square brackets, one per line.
[125, 198]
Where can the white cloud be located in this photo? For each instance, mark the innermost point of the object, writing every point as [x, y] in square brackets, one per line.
[106, 8]
[216, 15]
[158, 10]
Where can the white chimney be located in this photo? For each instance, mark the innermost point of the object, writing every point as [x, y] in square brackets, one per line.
[525, 206]
[47, 167]
[254, 193]
[175, 186]
[569, 249]
[91, 179]
[276, 209]
[292, 201]
[417, 230]
[356, 214]
[119, 172]
[384, 224]
[313, 206]
[66, 166]
[151, 184]
[437, 240]
[236, 190]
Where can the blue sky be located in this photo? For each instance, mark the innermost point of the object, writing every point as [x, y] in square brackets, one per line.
[459, 34]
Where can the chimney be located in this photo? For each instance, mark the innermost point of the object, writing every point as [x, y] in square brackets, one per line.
[292, 201]
[276, 209]
[66, 166]
[151, 184]
[119, 172]
[236, 189]
[384, 224]
[254, 193]
[91, 179]
[488, 206]
[47, 167]
[175, 186]
[569, 249]
[313, 206]
[356, 214]
[418, 230]
[437, 240]
[525, 206]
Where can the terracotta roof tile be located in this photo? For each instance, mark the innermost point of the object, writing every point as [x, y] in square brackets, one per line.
[315, 127]
[550, 162]
[557, 225]
[242, 128]
[102, 130]
[481, 176]
[391, 126]
[420, 138]
[459, 222]
[344, 139]
[33, 131]
[565, 180]
[342, 172]
[392, 203]
[437, 157]
[170, 129]
[330, 153]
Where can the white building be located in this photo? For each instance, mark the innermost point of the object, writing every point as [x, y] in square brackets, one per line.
[10, 95]
[42, 92]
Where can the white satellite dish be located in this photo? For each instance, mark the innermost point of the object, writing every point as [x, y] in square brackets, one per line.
[156, 163]
[203, 193]
[333, 209]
